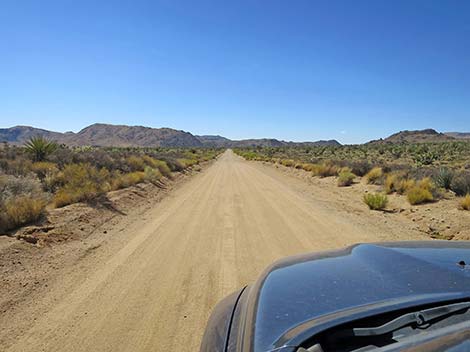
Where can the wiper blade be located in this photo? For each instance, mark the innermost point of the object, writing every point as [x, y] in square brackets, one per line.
[418, 318]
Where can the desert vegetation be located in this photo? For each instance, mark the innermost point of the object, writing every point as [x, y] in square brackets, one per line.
[43, 174]
[421, 172]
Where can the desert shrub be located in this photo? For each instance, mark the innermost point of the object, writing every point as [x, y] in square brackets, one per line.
[288, 162]
[128, 179]
[44, 168]
[163, 167]
[391, 183]
[325, 170]
[404, 185]
[149, 161]
[135, 163]
[374, 175]
[376, 201]
[16, 167]
[345, 178]
[443, 178]
[359, 168]
[81, 182]
[174, 165]
[21, 211]
[424, 191]
[308, 167]
[461, 184]
[190, 162]
[464, 203]
[21, 201]
[152, 175]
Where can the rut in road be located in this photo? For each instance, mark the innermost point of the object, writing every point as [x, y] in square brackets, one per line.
[213, 235]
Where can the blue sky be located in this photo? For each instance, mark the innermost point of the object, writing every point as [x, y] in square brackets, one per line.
[294, 70]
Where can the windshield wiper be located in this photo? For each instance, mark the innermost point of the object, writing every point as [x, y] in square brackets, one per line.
[416, 318]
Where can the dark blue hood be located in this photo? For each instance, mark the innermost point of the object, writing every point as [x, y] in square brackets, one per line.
[300, 295]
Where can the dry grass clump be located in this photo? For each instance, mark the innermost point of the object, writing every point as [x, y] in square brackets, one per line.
[127, 180]
[287, 162]
[308, 167]
[422, 192]
[405, 185]
[464, 203]
[21, 201]
[325, 170]
[375, 201]
[374, 176]
[345, 177]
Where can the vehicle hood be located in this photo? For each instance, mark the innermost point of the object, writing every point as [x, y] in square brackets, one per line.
[299, 294]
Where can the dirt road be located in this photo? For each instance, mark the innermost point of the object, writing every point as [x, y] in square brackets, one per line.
[209, 237]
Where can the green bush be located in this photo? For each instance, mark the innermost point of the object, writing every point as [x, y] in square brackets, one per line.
[376, 201]
[152, 175]
[81, 182]
[345, 178]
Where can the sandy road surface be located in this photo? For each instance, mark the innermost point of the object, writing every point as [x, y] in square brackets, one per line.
[211, 236]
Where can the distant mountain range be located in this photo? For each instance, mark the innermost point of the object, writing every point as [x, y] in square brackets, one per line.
[106, 135]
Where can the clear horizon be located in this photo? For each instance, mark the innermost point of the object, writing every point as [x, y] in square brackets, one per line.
[298, 71]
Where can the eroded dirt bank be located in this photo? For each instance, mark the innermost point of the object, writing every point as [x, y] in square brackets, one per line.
[152, 284]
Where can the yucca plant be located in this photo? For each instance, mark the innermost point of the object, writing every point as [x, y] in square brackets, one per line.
[444, 178]
[40, 147]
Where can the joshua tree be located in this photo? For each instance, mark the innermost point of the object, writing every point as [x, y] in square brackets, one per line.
[40, 147]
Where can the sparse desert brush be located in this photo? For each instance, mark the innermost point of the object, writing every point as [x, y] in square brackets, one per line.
[81, 182]
[127, 180]
[391, 183]
[189, 162]
[464, 203]
[288, 162]
[404, 185]
[44, 168]
[359, 168]
[135, 163]
[419, 195]
[308, 167]
[461, 184]
[20, 211]
[374, 176]
[163, 167]
[376, 201]
[345, 178]
[325, 170]
[152, 175]
[149, 161]
[21, 201]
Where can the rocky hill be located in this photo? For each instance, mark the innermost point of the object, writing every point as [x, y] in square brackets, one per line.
[418, 136]
[458, 135]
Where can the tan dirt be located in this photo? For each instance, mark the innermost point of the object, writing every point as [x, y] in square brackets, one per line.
[152, 285]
